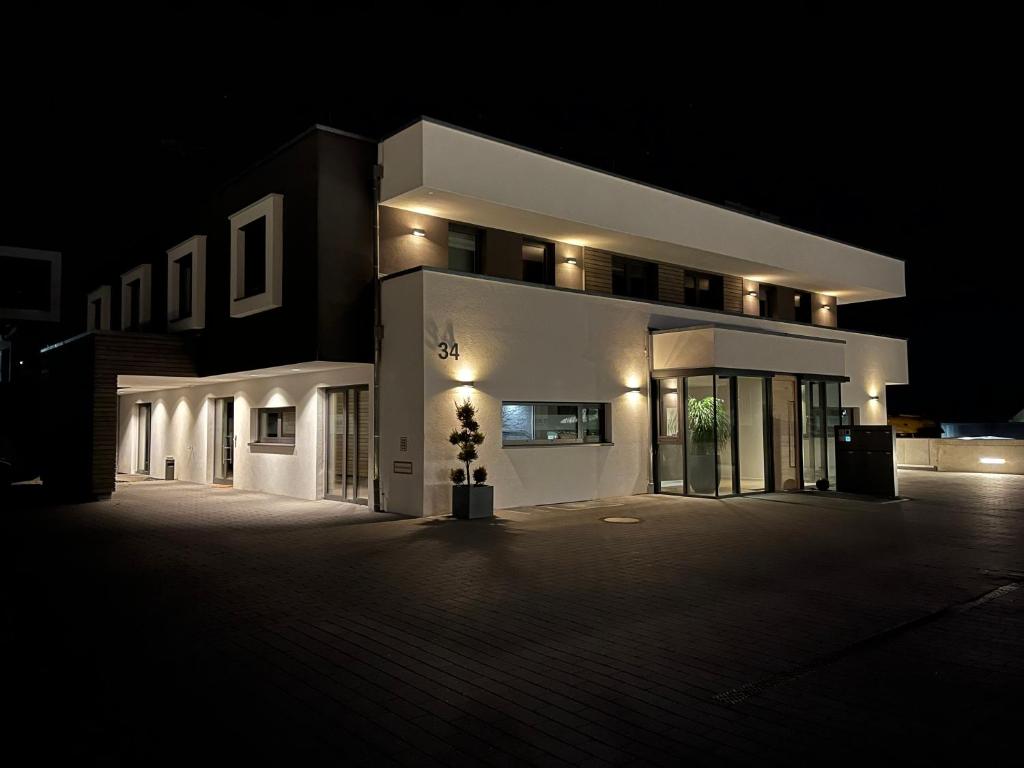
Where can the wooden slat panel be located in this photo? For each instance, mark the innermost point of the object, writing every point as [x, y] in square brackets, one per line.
[597, 274]
[670, 283]
[733, 290]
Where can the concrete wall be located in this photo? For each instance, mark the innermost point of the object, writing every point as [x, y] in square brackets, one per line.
[953, 455]
[521, 342]
[183, 427]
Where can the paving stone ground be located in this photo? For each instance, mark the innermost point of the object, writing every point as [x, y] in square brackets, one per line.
[178, 622]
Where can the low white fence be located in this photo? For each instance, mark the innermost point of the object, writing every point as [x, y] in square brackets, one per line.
[957, 455]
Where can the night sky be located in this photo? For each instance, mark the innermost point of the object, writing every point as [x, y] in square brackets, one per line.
[103, 140]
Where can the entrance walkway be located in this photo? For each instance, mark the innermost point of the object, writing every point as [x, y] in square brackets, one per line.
[174, 621]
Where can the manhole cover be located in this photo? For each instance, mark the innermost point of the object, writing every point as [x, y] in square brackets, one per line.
[621, 519]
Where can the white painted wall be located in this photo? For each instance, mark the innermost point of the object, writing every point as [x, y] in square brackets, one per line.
[454, 174]
[521, 342]
[183, 427]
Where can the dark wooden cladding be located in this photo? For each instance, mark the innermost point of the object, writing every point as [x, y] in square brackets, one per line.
[84, 371]
[597, 275]
[670, 283]
[732, 288]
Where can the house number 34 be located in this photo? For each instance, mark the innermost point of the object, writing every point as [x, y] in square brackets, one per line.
[448, 351]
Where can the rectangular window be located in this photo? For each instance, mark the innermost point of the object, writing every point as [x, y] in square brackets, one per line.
[463, 249]
[634, 278]
[767, 301]
[802, 306]
[553, 423]
[277, 425]
[26, 283]
[254, 258]
[538, 264]
[703, 290]
[134, 297]
[184, 265]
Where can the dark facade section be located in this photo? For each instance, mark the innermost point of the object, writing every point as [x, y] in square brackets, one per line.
[345, 275]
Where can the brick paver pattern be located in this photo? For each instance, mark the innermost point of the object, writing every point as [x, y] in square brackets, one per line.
[179, 622]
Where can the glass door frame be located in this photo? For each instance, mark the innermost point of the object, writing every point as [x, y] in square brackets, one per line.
[144, 467]
[219, 444]
[362, 395]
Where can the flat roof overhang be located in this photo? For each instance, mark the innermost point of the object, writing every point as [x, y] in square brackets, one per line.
[695, 350]
[135, 383]
[438, 170]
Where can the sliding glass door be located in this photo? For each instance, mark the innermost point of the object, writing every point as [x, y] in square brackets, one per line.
[348, 444]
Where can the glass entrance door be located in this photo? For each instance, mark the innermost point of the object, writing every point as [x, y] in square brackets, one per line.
[671, 476]
[785, 459]
[348, 444]
[144, 420]
[224, 441]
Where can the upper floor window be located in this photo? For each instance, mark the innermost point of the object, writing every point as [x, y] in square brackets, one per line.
[635, 278]
[703, 290]
[767, 297]
[256, 256]
[186, 284]
[538, 262]
[135, 298]
[463, 248]
[97, 316]
[802, 306]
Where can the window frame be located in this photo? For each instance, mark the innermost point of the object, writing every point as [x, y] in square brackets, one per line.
[141, 274]
[478, 238]
[196, 246]
[626, 264]
[259, 434]
[549, 259]
[604, 423]
[101, 295]
[271, 209]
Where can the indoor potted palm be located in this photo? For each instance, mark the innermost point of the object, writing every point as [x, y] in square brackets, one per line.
[469, 499]
[702, 417]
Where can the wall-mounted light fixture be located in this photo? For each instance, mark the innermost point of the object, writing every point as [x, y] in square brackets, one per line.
[571, 261]
[827, 307]
[634, 390]
[751, 293]
[872, 397]
[419, 232]
[991, 460]
[467, 384]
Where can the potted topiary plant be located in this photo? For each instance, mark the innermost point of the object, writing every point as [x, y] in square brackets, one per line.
[702, 415]
[469, 500]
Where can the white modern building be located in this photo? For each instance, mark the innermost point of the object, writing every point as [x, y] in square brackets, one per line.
[616, 338]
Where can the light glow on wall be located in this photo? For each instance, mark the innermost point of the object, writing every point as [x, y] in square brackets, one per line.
[991, 460]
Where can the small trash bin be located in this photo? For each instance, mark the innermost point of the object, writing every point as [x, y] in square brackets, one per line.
[169, 468]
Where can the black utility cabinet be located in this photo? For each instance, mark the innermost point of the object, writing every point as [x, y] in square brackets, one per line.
[864, 460]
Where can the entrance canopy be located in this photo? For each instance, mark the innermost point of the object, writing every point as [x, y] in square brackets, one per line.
[712, 348]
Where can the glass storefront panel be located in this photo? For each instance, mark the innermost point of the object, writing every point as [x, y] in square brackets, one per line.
[784, 434]
[701, 478]
[813, 426]
[833, 418]
[724, 427]
[750, 432]
[671, 477]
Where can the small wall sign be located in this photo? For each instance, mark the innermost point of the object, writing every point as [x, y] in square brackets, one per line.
[448, 350]
[402, 467]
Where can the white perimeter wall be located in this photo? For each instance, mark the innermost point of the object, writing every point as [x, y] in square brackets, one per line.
[519, 342]
[183, 427]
